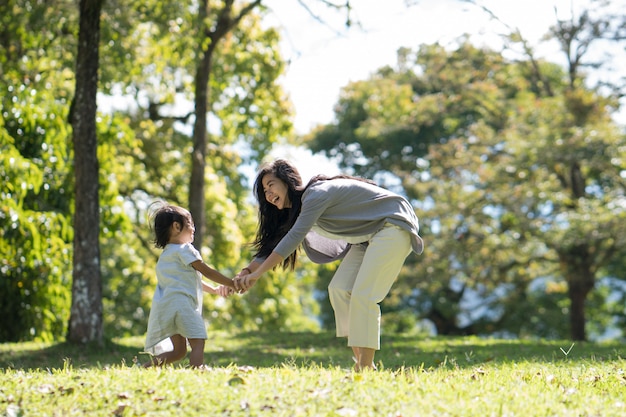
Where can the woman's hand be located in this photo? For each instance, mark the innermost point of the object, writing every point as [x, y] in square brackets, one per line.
[244, 282]
[244, 271]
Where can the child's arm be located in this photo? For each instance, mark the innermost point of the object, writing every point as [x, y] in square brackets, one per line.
[208, 288]
[222, 290]
[225, 291]
[212, 274]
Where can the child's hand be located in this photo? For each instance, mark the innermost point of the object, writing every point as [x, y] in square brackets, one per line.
[225, 291]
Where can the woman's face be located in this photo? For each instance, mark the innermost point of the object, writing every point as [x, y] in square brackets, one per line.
[275, 191]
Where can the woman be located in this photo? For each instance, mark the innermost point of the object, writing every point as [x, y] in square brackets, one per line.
[371, 228]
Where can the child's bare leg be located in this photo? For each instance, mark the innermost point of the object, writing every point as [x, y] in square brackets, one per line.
[179, 352]
[196, 357]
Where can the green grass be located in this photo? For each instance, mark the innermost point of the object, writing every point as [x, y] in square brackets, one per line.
[309, 374]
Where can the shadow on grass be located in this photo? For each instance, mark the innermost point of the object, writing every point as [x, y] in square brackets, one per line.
[270, 349]
[324, 349]
[30, 355]
[463, 352]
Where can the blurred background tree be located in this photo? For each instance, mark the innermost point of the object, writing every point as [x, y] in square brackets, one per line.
[516, 169]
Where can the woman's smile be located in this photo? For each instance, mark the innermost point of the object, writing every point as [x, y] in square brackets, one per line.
[276, 191]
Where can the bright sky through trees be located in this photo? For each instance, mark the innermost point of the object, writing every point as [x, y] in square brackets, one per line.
[323, 60]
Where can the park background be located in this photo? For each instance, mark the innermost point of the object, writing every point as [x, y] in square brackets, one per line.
[510, 147]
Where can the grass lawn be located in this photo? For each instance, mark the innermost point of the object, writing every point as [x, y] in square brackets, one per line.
[309, 374]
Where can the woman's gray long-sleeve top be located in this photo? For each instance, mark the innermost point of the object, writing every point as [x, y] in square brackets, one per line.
[349, 208]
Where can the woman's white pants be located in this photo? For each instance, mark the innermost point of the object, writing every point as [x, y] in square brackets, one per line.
[363, 280]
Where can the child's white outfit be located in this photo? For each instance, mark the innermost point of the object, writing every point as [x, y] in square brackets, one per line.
[177, 302]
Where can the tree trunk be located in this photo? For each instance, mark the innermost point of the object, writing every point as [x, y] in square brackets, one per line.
[577, 267]
[198, 157]
[577, 296]
[85, 324]
[210, 37]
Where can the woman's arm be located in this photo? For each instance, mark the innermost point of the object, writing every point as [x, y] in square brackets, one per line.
[252, 266]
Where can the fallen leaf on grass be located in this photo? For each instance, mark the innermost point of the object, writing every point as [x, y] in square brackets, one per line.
[321, 393]
[119, 411]
[345, 411]
[357, 377]
[14, 411]
[477, 373]
[46, 389]
[236, 380]
[593, 379]
[68, 390]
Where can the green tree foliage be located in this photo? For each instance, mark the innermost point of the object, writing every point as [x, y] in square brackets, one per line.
[36, 229]
[516, 171]
[35, 166]
[512, 218]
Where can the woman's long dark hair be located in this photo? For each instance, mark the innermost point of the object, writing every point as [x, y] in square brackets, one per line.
[274, 223]
[323, 177]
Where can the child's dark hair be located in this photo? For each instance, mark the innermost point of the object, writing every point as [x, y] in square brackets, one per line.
[163, 217]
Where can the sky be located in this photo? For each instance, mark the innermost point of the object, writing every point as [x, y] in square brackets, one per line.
[322, 61]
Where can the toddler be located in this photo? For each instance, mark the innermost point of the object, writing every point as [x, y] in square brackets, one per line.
[176, 314]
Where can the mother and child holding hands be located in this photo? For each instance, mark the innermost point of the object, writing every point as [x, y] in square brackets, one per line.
[371, 229]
